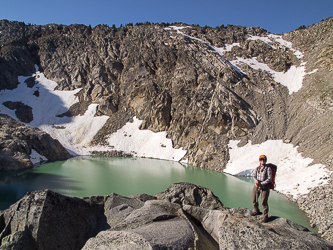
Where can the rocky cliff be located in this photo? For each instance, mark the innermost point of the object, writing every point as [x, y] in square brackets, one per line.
[170, 81]
[181, 85]
[184, 216]
[18, 141]
[203, 86]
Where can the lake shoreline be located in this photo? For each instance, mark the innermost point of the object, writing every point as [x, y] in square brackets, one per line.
[77, 172]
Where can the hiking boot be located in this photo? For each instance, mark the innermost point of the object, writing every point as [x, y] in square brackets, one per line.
[265, 220]
[254, 213]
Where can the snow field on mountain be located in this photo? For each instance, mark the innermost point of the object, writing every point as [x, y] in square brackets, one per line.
[76, 133]
[72, 132]
[144, 143]
[295, 176]
[217, 50]
[36, 158]
[292, 78]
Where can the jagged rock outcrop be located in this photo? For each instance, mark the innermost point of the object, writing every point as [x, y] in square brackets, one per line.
[17, 142]
[190, 194]
[194, 219]
[22, 111]
[170, 81]
[234, 229]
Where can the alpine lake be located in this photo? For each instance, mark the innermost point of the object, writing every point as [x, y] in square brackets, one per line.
[90, 176]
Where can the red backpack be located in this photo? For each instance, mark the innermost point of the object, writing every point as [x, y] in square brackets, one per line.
[274, 169]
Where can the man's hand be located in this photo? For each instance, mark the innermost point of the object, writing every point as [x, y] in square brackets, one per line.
[258, 184]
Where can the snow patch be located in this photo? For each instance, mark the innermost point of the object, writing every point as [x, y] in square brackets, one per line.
[295, 176]
[228, 48]
[277, 38]
[36, 158]
[76, 133]
[292, 78]
[215, 49]
[287, 44]
[312, 72]
[261, 38]
[178, 28]
[144, 143]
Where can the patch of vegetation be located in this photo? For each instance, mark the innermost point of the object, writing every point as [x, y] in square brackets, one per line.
[164, 24]
[220, 27]
[301, 27]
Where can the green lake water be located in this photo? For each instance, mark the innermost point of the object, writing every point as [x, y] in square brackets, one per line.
[88, 176]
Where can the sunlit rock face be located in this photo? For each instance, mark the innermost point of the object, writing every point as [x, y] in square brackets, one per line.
[200, 87]
[184, 216]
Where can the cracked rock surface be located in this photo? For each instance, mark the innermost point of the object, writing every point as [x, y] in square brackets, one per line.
[193, 219]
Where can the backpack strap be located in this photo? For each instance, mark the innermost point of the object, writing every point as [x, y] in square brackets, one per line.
[257, 170]
[265, 169]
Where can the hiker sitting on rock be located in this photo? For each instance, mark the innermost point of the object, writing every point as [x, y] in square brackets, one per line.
[263, 179]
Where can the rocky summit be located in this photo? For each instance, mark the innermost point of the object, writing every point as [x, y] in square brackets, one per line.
[203, 87]
[184, 216]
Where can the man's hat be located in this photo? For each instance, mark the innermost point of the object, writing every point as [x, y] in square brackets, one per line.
[262, 157]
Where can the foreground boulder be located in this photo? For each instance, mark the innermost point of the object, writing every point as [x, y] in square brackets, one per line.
[185, 216]
[235, 229]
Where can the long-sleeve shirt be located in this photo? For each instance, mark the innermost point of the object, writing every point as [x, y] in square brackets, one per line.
[263, 175]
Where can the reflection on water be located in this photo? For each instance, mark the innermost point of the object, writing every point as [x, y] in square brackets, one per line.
[88, 176]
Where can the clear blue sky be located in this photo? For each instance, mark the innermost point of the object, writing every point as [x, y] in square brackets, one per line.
[275, 16]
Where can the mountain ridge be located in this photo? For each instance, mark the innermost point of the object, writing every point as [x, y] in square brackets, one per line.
[175, 80]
